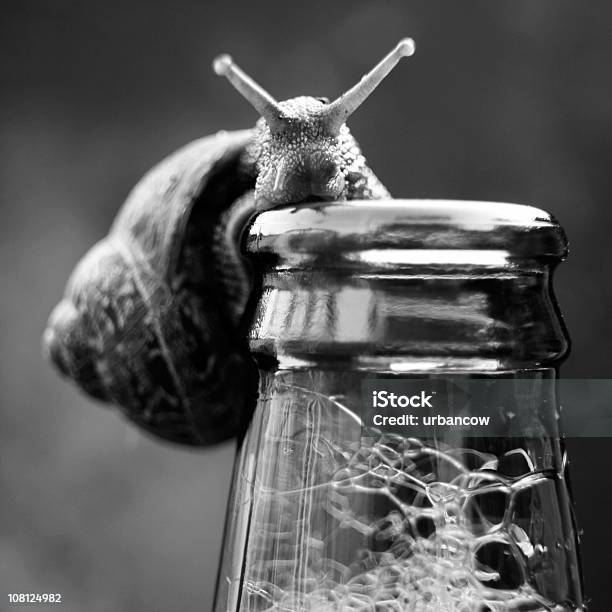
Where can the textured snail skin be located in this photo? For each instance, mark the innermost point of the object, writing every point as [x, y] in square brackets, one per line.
[305, 160]
[154, 316]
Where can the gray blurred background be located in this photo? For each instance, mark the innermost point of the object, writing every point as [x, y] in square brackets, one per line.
[507, 100]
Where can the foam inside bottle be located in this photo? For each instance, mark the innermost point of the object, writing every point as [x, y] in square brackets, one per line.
[384, 522]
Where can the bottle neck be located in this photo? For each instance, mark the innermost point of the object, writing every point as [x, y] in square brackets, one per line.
[409, 320]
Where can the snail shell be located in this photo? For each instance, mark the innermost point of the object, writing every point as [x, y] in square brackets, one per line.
[142, 321]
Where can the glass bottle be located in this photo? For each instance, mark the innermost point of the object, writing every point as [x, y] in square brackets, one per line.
[329, 513]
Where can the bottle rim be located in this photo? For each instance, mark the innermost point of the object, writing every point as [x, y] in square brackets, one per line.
[416, 230]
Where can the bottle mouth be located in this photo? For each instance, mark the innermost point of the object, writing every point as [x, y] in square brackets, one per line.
[407, 231]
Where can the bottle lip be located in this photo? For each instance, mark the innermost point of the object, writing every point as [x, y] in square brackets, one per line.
[328, 228]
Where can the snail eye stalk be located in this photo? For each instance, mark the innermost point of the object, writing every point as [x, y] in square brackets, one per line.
[264, 103]
[336, 113]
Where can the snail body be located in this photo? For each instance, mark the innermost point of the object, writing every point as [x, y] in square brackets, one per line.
[154, 316]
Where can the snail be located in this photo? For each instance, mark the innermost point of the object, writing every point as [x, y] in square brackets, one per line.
[154, 317]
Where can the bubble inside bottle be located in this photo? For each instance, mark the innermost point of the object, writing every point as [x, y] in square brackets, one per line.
[384, 522]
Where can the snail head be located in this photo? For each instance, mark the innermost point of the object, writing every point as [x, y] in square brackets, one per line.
[300, 154]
